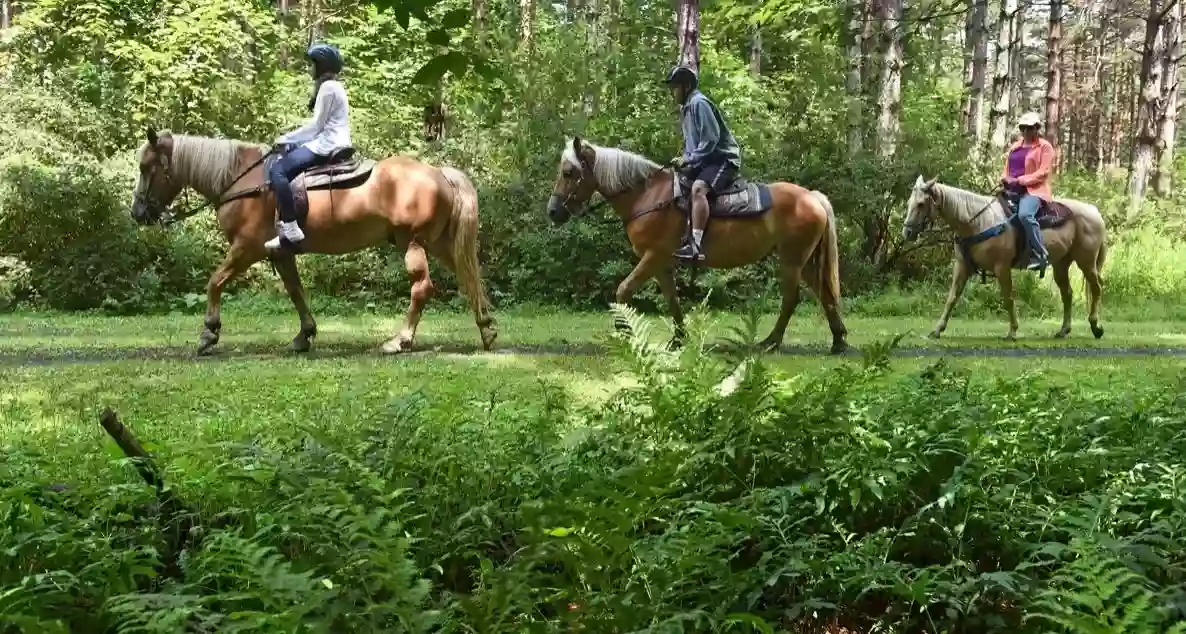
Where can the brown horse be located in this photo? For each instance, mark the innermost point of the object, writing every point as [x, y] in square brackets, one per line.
[398, 200]
[987, 239]
[796, 223]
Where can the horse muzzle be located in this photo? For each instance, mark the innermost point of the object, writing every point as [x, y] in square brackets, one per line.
[557, 211]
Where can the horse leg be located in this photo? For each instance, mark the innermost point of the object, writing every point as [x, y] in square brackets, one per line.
[416, 263]
[1091, 275]
[830, 303]
[790, 275]
[1062, 277]
[236, 261]
[959, 281]
[648, 266]
[666, 279]
[1005, 279]
[473, 291]
[286, 266]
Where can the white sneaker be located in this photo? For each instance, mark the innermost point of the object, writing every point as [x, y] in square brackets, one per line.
[291, 231]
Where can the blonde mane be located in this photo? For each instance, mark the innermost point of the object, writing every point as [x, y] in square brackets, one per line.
[207, 165]
[968, 208]
[615, 170]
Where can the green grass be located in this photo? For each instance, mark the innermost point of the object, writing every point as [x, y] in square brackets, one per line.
[513, 492]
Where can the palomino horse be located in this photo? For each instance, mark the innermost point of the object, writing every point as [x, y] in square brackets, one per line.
[795, 222]
[398, 200]
[987, 239]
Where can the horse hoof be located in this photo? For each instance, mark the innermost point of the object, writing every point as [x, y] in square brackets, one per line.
[299, 345]
[1097, 330]
[488, 337]
[934, 334]
[675, 343]
[769, 345]
[1009, 337]
[839, 349]
[1062, 334]
[396, 345]
[206, 343]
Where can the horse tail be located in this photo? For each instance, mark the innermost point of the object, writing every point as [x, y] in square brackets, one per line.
[827, 254]
[464, 249]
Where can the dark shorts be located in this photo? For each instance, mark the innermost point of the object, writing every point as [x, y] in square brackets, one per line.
[717, 175]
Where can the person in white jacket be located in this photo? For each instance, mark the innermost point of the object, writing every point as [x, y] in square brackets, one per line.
[325, 133]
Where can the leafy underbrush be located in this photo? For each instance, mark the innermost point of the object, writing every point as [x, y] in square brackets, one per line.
[713, 495]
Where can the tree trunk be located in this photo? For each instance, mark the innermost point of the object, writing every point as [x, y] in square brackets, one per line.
[1148, 105]
[889, 102]
[5, 14]
[480, 11]
[976, 74]
[755, 52]
[1018, 98]
[1054, 72]
[1167, 125]
[527, 23]
[1105, 94]
[853, 86]
[1002, 81]
[688, 33]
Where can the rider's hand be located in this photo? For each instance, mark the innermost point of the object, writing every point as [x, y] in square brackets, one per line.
[1008, 180]
[678, 163]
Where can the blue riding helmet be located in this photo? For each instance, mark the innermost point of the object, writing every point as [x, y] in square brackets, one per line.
[326, 56]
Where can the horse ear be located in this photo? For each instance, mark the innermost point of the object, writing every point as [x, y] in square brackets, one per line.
[151, 134]
[918, 182]
[576, 146]
[931, 183]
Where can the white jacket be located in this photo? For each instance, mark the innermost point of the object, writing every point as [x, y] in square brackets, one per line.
[328, 130]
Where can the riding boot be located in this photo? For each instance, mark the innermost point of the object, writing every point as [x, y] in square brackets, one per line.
[690, 251]
[287, 232]
[1038, 256]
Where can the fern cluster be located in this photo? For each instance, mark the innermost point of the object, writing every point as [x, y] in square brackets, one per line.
[714, 494]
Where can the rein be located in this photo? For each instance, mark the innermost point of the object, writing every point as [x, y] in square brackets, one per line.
[222, 197]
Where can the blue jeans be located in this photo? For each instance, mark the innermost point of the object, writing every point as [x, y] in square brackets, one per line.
[1027, 211]
[286, 169]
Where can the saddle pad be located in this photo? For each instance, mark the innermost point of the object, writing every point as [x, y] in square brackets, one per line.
[342, 175]
[740, 200]
[1051, 215]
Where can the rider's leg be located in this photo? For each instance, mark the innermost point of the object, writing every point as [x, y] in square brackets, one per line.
[281, 175]
[705, 181]
[1027, 210]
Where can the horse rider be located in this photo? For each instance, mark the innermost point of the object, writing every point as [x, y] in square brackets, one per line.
[326, 132]
[1028, 168]
[711, 157]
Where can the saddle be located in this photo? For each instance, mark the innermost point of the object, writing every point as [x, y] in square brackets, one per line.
[739, 199]
[345, 170]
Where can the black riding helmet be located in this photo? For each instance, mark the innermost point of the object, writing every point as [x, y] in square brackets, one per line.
[683, 75]
[325, 57]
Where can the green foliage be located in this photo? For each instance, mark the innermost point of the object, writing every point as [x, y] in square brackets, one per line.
[711, 491]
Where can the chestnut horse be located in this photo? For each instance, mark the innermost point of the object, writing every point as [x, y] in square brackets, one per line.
[397, 200]
[799, 225]
[988, 240]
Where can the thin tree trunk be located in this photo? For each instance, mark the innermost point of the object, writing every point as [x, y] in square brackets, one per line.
[1054, 72]
[1002, 77]
[527, 24]
[1148, 105]
[1018, 98]
[755, 52]
[283, 18]
[889, 102]
[688, 33]
[1168, 117]
[6, 14]
[977, 73]
[480, 10]
[1105, 94]
[856, 61]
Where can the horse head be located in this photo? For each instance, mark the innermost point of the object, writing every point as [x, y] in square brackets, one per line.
[920, 209]
[575, 183]
[155, 185]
